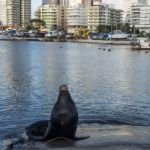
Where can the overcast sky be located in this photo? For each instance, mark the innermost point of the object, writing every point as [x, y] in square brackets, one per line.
[118, 3]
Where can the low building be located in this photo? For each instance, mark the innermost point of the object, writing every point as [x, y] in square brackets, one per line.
[140, 17]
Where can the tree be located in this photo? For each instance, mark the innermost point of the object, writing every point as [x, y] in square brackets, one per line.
[137, 31]
[82, 33]
[126, 28]
[104, 28]
[35, 24]
[133, 29]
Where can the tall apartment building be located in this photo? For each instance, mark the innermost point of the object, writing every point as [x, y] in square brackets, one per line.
[45, 2]
[140, 17]
[15, 12]
[127, 8]
[76, 18]
[102, 15]
[91, 2]
[75, 2]
[144, 2]
[25, 9]
[3, 9]
[56, 2]
[64, 2]
[87, 2]
[53, 15]
[96, 2]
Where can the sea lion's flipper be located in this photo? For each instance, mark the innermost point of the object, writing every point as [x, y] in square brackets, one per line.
[39, 131]
[60, 138]
[81, 138]
[67, 139]
[48, 131]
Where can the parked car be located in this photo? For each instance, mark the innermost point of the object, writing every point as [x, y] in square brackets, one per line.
[103, 36]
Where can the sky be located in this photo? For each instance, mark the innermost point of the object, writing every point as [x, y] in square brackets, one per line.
[36, 3]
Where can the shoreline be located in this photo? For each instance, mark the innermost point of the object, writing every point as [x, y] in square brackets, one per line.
[110, 42]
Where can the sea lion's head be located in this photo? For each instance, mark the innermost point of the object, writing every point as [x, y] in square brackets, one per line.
[63, 88]
[64, 94]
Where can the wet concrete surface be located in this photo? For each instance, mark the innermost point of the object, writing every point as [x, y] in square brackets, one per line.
[103, 137]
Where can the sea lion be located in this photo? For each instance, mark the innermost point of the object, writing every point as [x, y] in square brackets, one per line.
[63, 121]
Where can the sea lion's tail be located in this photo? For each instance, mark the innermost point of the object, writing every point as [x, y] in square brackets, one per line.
[81, 138]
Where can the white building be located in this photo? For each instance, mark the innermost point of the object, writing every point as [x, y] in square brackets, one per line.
[87, 2]
[75, 2]
[3, 9]
[102, 15]
[64, 2]
[45, 2]
[140, 17]
[127, 8]
[144, 2]
[53, 15]
[96, 2]
[76, 18]
[15, 12]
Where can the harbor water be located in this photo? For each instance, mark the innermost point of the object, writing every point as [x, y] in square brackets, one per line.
[110, 84]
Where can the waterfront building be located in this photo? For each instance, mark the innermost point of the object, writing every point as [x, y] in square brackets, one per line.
[140, 17]
[45, 2]
[3, 9]
[115, 16]
[64, 2]
[15, 12]
[96, 2]
[76, 18]
[144, 2]
[75, 2]
[91, 2]
[127, 8]
[56, 2]
[87, 2]
[102, 15]
[53, 15]
[25, 9]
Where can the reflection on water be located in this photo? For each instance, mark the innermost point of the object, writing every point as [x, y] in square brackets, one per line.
[108, 87]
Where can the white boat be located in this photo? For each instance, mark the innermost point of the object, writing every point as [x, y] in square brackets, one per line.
[118, 34]
[142, 44]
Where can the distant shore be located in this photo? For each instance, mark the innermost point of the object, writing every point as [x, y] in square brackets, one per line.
[112, 42]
